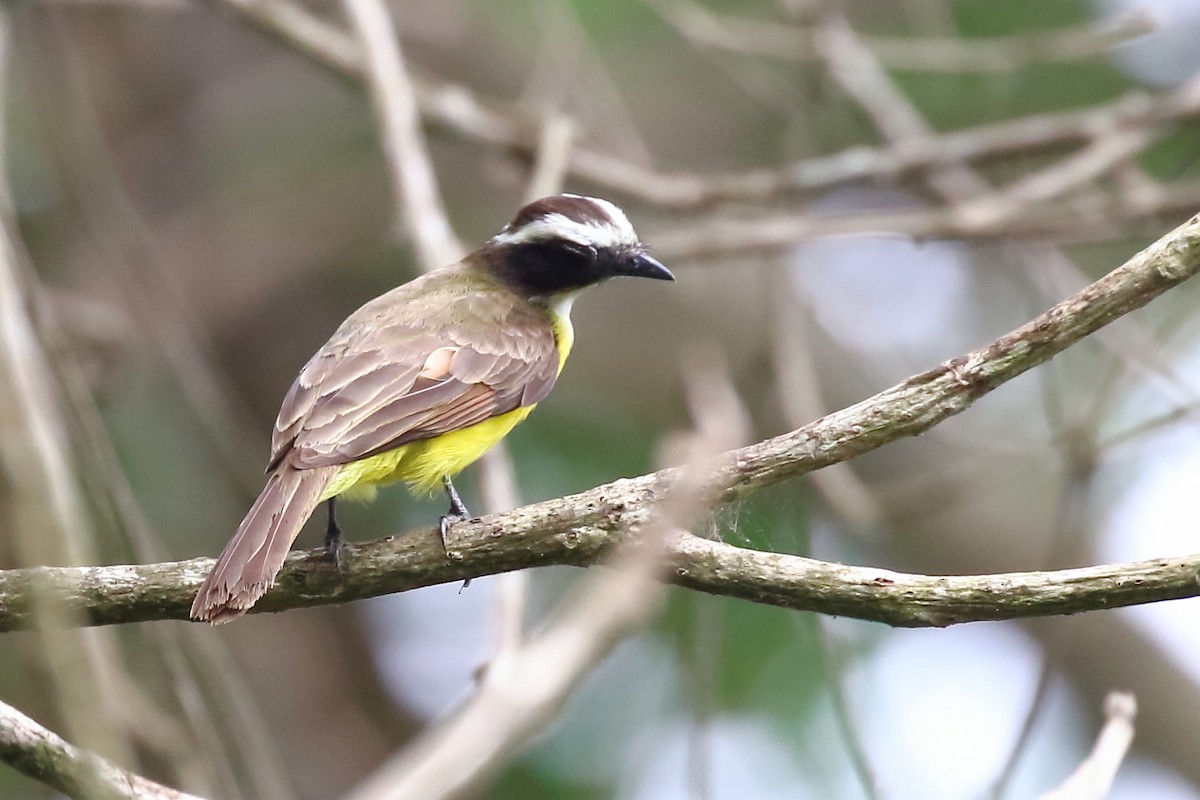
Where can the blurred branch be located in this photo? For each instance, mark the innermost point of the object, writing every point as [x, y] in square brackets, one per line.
[525, 685]
[798, 389]
[918, 53]
[853, 66]
[296, 27]
[463, 112]
[497, 481]
[1071, 222]
[39, 482]
[973, 208]
[459, 110]
[1094, 777]
[419, 208]
[43, 755]
[195, 664]
[580, 528]
[133, 255]
[1106, 152]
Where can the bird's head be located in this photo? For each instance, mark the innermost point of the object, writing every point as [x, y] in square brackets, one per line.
[563, 243]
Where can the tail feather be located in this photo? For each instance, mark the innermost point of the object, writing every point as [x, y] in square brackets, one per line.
[247, 566]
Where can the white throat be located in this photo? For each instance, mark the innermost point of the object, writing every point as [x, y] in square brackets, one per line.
[560, 305]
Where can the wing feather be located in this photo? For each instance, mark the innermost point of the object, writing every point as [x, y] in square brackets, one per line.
[364, 394]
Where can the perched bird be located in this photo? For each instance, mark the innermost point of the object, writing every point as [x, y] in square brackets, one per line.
[422, 381]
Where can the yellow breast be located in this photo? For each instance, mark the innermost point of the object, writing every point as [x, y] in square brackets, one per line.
[422, 464]
[560, 321]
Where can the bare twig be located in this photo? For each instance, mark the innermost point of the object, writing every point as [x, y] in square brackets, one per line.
[304, 32]
[1093, 778]
[800, 399]
[459, 110]
[1101, 156]
[524, 687]
[919, 53]
[46, 502]
[1020, 136]
[1059, 223]
[1065, 537]
[552, 157]
[833, 665]
[418, 202]
[134, 258]
[497, 483]
[859, 73]
[43, 755]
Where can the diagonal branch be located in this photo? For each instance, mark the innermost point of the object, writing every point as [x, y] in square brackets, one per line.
[45, 756]
[1003, 54]
[419, 210]
[578, 529]
[1093, 779]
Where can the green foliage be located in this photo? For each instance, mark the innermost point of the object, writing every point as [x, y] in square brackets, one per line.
[989, 18]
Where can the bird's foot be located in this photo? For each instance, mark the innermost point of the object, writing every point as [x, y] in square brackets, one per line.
[445, 523]
[457, 513]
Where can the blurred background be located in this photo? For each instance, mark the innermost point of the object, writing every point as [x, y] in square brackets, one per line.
[848, 193]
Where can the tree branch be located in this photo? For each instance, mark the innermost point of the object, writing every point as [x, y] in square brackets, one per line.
[461, 111]
[1093, 779]
[418, 201]
[43, 755]
[578, 529]
[1003, 54]
[542, 535]
[1091, 220]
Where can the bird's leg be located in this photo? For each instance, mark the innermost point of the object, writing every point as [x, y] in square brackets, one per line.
[457, 513]
[333, 536]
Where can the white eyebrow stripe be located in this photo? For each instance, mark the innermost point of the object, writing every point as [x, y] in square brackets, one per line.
[558, 226]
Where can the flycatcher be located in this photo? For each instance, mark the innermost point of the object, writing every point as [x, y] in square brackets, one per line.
[422, 381]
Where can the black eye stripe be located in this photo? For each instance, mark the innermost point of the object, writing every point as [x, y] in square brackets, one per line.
[584, 250]
[552, 265]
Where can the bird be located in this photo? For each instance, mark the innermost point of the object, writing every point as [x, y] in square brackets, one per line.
[421, 381]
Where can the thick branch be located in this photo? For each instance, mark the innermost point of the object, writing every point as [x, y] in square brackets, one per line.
[578, 529]
[537, 536]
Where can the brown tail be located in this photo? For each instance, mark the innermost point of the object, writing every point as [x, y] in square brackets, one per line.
[248, 565]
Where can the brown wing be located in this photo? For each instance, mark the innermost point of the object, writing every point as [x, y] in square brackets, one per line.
[374, 389]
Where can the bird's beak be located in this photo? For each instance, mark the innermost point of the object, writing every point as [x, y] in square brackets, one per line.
[640, 265]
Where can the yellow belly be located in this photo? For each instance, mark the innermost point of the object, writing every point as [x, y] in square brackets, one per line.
[422, 464]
